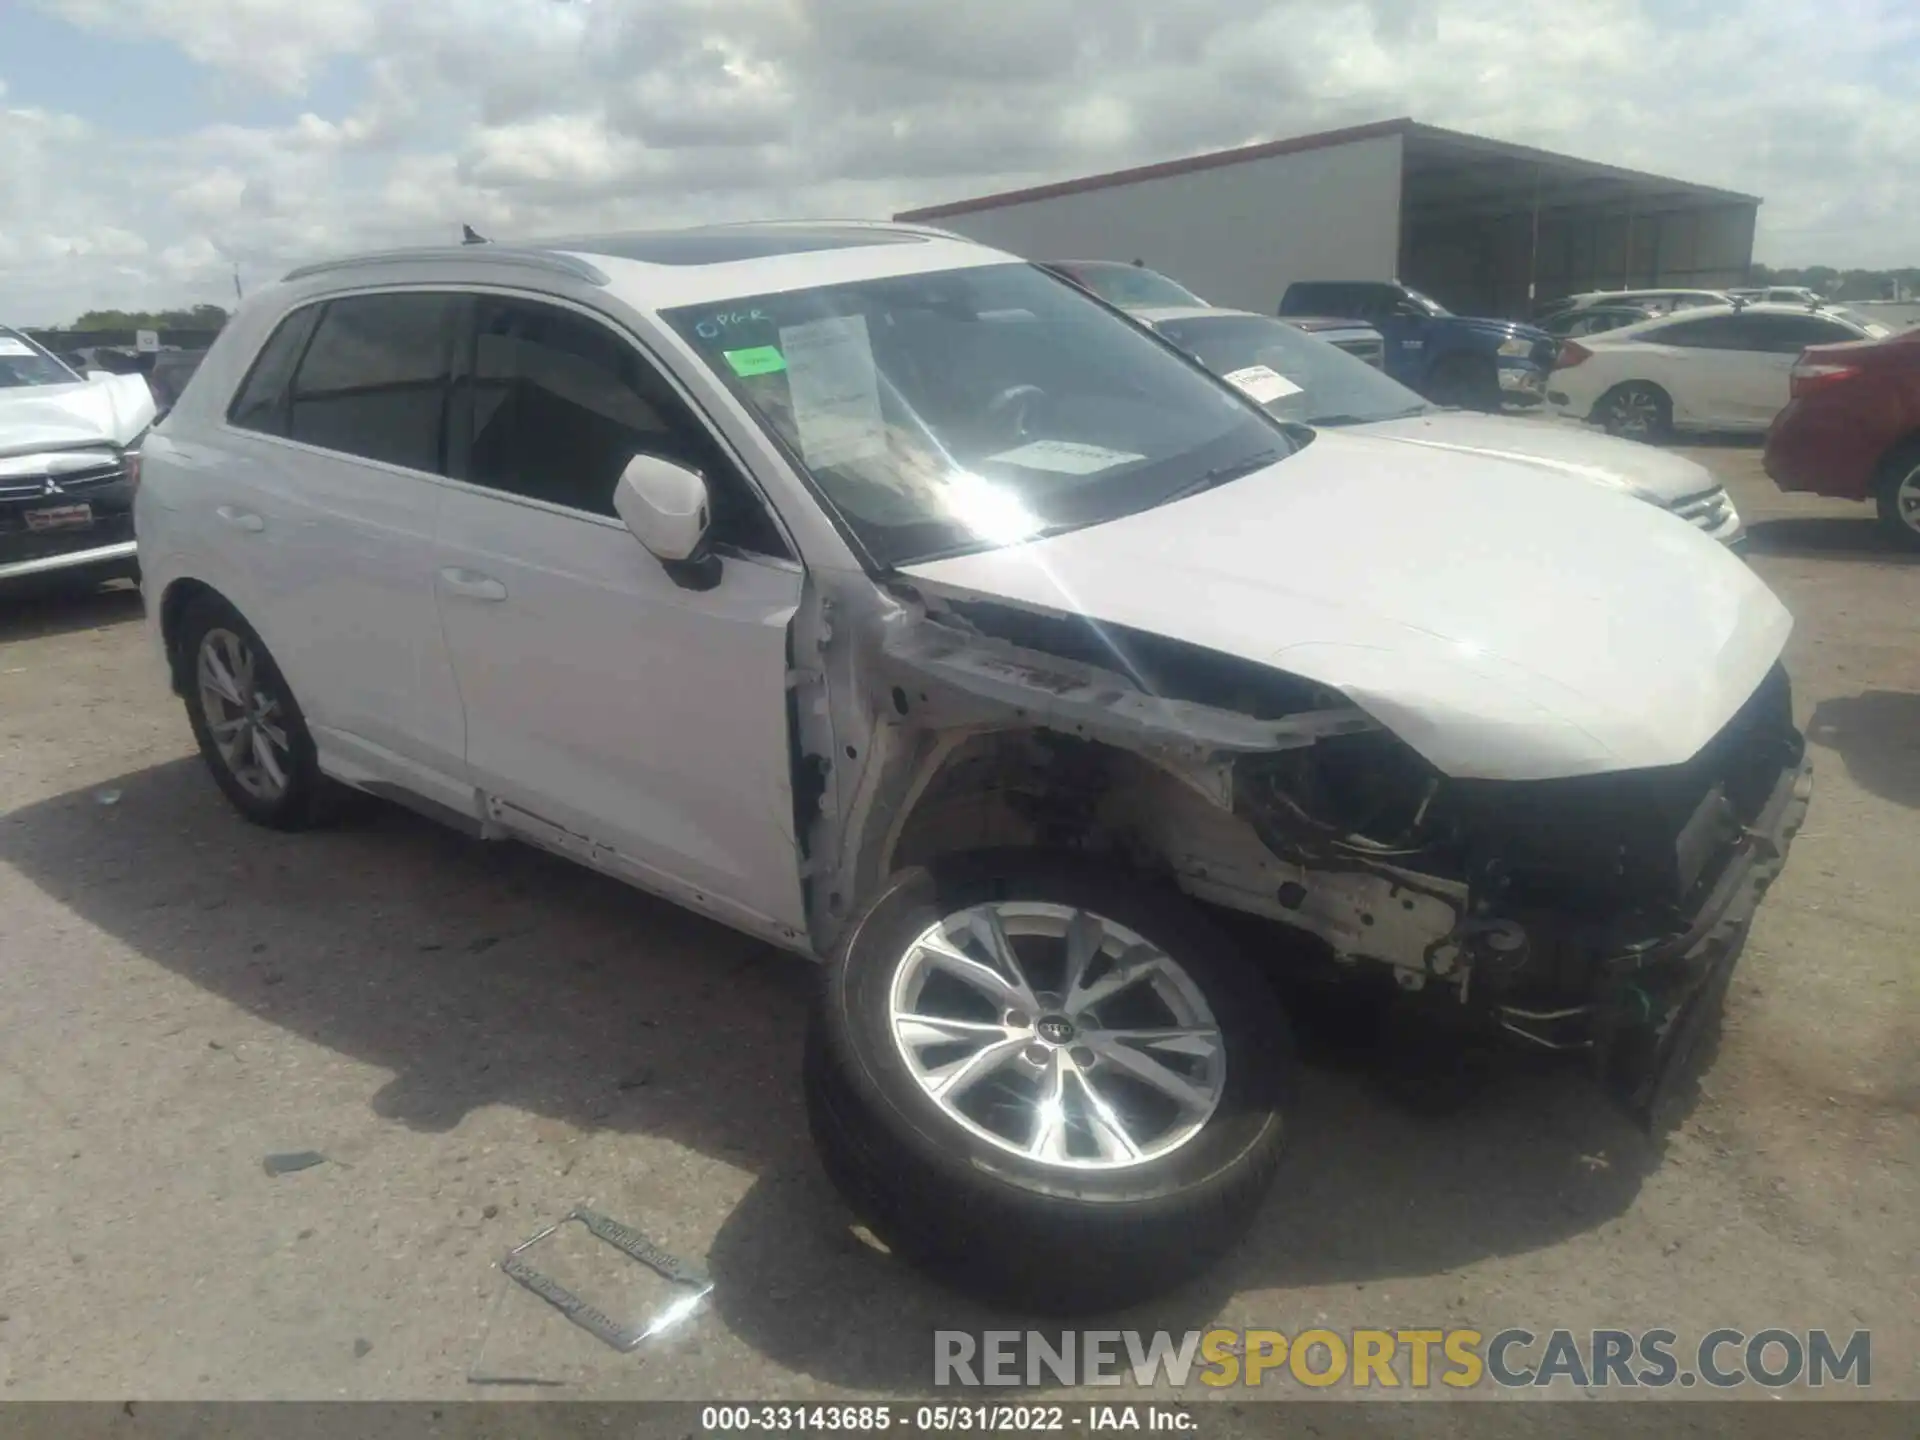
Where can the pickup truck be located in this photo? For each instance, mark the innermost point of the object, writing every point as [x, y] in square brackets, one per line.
[1479, 364]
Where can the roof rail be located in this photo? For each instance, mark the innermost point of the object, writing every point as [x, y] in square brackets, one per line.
[550, 260]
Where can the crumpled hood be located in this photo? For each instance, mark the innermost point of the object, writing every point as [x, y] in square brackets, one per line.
[1652, 473]
[112, 408]
[1504, 626]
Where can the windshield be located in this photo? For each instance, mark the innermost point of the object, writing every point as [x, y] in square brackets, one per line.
[24, 363]
[1434, 307]
[1131, 286]
[1294, 375]
[967, 409]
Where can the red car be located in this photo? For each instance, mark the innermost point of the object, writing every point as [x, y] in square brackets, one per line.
[1852, 428]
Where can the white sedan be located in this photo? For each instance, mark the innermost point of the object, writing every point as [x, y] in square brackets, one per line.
[1297, 376]
[1718, 368]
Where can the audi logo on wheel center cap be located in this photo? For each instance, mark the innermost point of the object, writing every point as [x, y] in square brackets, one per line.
[1055, 1029]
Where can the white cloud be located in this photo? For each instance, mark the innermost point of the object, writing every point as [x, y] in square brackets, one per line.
[544, 116]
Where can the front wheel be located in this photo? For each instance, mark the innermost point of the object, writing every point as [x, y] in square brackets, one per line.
[1898, 496]
[1636, 411]
[1047, 1083]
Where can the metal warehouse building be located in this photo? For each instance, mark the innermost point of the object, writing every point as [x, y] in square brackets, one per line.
[1481, 225]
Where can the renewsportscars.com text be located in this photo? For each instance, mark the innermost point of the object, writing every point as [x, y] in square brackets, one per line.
[1405, 1358]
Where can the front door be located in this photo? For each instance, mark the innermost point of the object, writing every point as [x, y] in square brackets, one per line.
[610, 711]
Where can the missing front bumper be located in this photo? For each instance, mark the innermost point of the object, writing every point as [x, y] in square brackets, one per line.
[1659, 1004]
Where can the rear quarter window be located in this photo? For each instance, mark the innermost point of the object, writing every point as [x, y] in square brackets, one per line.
[261, 402]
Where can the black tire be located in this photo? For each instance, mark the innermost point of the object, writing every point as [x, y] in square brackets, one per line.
[998, 1225]
[1637, 410]
[1470, 382]
[1900, 469]
[305, 800]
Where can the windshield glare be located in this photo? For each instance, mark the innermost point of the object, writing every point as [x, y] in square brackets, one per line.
[967, 409]
[23, 364]
[1294, 375]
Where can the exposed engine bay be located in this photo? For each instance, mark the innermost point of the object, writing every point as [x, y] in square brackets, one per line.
[1580, 914]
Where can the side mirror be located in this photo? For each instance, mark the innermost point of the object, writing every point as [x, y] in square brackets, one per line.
[664, 506]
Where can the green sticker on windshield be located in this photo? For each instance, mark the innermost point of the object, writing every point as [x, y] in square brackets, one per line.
[760, 360]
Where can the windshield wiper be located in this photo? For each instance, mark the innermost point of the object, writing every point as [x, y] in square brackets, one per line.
[1221, 474]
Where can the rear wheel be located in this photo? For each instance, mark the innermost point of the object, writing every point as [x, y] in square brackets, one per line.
[1898, 495]
[251, 732]
[1637, 410]
[1046, 1083]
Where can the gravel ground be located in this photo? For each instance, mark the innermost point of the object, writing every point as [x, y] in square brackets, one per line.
[478, 1038]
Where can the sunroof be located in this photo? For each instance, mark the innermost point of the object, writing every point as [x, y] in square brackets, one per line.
[720, 244]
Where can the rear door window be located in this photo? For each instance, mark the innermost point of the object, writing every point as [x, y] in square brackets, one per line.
[376, 377]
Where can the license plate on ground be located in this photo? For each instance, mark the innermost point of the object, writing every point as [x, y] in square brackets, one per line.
[60, 517]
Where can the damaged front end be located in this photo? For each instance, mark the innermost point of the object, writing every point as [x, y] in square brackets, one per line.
[1597, 915]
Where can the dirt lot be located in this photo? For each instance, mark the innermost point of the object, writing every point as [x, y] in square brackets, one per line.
[477, 1037]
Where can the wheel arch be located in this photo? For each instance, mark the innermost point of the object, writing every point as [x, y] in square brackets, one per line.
[1600, 401]
[1903, 452]
[178, 598]
[1025, 787]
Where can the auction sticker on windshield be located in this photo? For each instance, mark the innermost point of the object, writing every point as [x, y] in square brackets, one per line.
[834, 390]
[1067, 457]
[1261, 383]
[11, 346]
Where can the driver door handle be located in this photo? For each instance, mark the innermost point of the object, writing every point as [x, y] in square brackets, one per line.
[472, 584]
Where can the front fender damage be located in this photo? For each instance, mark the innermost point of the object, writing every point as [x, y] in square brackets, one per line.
[905, 686]
[1561, 914]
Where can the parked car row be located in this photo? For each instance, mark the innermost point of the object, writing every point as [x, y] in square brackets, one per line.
[886, 598]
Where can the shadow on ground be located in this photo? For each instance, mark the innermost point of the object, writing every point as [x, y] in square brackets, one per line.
[480, 974]
[29, 612]
[1829, 537]
[1876, 734]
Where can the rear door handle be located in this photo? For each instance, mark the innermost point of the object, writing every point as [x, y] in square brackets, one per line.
[472, 584]
[241, 519]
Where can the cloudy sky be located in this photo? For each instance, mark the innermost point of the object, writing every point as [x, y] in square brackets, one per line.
[147, 146]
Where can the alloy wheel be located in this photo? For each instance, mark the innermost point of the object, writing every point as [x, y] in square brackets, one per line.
[1906, 499]
[244, 717]
[1057, 1035]
[1636, 414]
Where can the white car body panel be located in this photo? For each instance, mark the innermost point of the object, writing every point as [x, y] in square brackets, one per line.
[110, 409]
[1614, 638]
[1656, 475]
[604, 700]
[1659, 477]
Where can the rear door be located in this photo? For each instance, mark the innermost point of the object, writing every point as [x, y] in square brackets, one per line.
[1706, 366]
[611, 712]
[333, 504]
